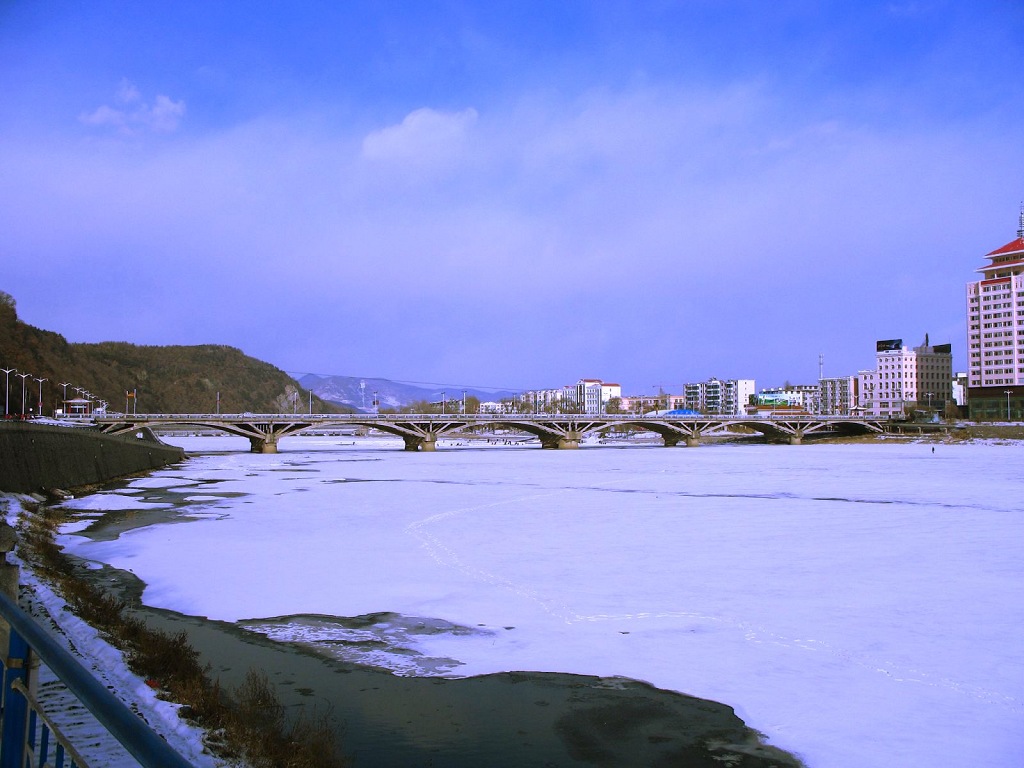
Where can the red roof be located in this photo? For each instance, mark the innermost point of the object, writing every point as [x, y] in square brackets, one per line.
[1015, 246]
[1001, 265]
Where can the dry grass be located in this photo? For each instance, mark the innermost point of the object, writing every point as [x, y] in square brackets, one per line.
[248, 723]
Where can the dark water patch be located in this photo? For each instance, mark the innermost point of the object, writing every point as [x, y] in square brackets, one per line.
[505, 720]
[356, 480]
[115, 522]
[176, 507]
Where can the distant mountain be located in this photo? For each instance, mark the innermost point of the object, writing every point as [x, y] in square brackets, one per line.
[358, 392]
[167, 379]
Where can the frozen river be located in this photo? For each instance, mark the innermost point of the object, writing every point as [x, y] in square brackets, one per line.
[860, 605]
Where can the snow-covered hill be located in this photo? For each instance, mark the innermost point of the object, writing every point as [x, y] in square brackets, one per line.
[359, 392]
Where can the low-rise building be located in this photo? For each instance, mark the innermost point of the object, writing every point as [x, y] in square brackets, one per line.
[803, 396]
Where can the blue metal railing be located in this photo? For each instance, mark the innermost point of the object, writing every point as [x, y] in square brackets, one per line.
[26, 732]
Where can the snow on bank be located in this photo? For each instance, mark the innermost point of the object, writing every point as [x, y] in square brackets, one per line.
[107, 665]
[860, 604]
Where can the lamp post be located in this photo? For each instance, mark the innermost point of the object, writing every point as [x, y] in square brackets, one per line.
[463, 402]
[444, 396]
[1008, 393]
[40, 393]
[64, 401]
[7, 389]
[23, 377]
[376, 404]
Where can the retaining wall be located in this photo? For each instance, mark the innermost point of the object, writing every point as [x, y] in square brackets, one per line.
[38, 457]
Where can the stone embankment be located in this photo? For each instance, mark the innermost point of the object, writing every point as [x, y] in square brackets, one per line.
[37, 457]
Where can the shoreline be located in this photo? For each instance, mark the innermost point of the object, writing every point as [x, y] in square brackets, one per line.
[503, 719]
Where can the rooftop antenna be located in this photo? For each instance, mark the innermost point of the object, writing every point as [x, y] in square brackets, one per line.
[1020, 228]
[821, 366]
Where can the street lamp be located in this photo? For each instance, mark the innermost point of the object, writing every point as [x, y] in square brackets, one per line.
[7, 389]
[64, 403]
[40, 394]
[376, 404]
[444, 396]
[1008, 393]
[23, 377]
[463, 401]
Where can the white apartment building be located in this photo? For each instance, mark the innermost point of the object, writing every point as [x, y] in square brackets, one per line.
[995, 318]
[585, 396]
[918, 377]
[720, 397]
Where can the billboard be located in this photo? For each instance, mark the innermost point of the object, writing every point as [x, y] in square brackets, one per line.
[888, 345]
[943, 349]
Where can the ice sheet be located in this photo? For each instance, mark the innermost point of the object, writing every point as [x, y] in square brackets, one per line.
[860, 604]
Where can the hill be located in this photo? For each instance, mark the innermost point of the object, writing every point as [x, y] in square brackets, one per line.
[358, 393]
[167, 379]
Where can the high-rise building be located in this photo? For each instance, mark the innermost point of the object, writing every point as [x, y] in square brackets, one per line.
[995, 332]
[995, 317]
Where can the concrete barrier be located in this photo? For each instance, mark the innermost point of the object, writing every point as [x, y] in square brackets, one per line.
[38, 457]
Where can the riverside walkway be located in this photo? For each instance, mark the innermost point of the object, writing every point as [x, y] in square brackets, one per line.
[420, 432]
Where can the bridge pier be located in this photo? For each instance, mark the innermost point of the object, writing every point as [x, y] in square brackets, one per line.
[426, 442]
[266, 444]
[567, 441]
[693, 441]
[796, 439]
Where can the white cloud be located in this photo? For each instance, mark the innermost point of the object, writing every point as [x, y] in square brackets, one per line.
[425, 137]
[136, 115]
[164, 115]
[128, 93]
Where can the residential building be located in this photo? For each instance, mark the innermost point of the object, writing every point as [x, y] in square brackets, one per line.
[907, 378]
[995, 333]
[585, 396]
[728, 397]
[838, 396]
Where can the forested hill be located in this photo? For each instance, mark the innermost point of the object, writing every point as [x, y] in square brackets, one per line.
[171, 379]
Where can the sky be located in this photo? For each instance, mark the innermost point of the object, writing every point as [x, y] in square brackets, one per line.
[511, 194]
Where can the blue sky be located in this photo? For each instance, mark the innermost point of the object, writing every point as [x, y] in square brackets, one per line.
[510, 194]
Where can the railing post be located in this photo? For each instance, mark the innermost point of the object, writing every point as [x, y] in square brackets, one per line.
[15, 708]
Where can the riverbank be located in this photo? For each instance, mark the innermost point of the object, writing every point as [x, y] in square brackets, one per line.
[37, 457]
[502, 719]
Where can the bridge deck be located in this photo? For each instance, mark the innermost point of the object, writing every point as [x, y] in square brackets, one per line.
[420, 431]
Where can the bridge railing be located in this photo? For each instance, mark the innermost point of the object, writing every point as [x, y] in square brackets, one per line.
[27, 734]
[483, 417]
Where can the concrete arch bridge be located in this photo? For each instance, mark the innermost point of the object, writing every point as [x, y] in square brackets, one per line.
[420, 432]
